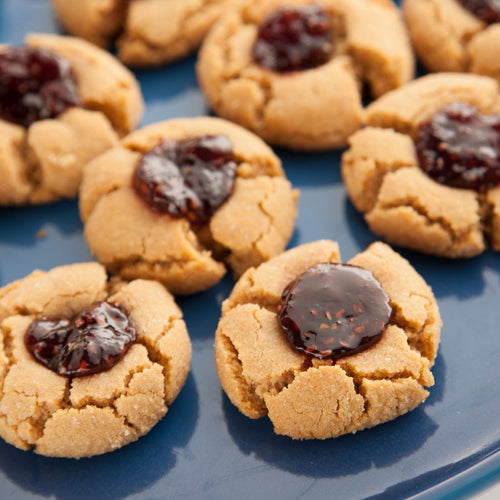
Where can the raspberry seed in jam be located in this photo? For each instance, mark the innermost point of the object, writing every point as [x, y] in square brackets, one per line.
[35, 84]
[460, 147]
[334, 310]
[486, 10]
[92, 342]
[294, 39]
[190, 178]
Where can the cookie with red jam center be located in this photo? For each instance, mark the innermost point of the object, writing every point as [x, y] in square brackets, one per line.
[425, 172]
[35, 84]
[190, 178]
[63, 101]
[92, 342]
[325, 380]
[83, 356]
[460, 147]
[179, 200]
[486, 10]
[294, 39]
[293, 73]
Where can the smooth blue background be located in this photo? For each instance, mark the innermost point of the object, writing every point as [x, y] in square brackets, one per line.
[204, 448]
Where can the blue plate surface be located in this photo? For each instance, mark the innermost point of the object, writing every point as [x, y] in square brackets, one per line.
[204, 448]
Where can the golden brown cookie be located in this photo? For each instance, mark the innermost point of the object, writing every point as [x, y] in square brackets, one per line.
[93, 414]
[133, 240]
[449, 37]
[316, 108]
[41, 161]
[151, 32]
[382, 173]
[307, 397]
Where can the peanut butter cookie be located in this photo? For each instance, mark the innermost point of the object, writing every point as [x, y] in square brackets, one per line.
[85, 366]
[425, 173]
[292, 72]
[63, 101]
[177, 198]
[355, 357]
[456, 35]
[150, 32]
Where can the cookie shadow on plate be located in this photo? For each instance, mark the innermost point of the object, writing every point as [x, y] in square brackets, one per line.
[172, 91]
[114, 475]
[25, 225]
[347, 455]
[207, 305]
[311, 169]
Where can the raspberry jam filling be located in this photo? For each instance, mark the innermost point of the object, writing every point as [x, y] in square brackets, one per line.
[334, 310]
[294, 39]
[459, 147]
[35, 84]
[190, 178]
[486, 10]
[92, 342]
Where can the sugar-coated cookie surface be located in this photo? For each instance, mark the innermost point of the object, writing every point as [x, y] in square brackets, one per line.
[43, 162]
[384, 180]
[253, 225]
[150, 32]
[305, 397]
[313, 109]
[94, 414]
[449, 37]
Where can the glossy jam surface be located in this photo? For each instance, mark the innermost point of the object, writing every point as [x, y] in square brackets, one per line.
[35, 84]
[460, 148]
[190, 178]
[294, 39]
[92, 342]
[334, 310]
[486, 10]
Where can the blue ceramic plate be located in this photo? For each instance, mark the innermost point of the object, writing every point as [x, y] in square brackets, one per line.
[204, 448]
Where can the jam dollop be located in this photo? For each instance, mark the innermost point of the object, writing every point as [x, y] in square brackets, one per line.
[459, 147]
[93, 341]
[294, 39]
[190, 178]
[486, 10]
[35, 84]
[334, 310]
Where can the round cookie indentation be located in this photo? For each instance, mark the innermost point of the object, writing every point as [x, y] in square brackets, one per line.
[294, 40]
[305, 397]
[190, 179]
[459, 147]
[35, 84]
[92, 342]
[334, 310]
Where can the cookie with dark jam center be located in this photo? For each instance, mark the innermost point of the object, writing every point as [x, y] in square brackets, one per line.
[334, 310]
[92, 342]
[35, 84]
[190, 178]
[486, 10]
[294, 39]
[460, 147]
